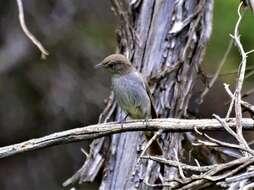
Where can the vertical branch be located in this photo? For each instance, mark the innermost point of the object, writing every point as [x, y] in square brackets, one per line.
[239, 84]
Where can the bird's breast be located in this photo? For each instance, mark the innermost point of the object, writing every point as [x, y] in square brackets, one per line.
[131, 95]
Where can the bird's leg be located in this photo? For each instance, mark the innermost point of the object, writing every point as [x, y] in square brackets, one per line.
[146, 122]
[123, 119]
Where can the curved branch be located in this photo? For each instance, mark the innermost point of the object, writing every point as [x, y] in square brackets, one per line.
[36, 42]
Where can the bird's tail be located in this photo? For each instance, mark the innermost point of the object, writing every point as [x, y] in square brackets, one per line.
[154, 149]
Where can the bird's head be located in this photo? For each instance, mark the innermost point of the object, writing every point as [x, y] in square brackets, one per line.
[116, 64]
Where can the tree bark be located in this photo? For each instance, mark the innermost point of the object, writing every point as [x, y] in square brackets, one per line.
[166, 41]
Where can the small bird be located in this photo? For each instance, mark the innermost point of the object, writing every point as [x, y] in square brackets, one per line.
[132, 92]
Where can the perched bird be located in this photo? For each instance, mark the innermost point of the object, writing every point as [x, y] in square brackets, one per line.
[132, 92]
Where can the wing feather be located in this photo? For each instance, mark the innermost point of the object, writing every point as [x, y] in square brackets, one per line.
[153, 110]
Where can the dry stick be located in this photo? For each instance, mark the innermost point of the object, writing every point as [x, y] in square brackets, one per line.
[240, 177]
[229, 173]
[177, 163]
[216, 75]
[239, 84]
[215, 142]
[108, 110]
[198, 180]
[246, 105]
[249, 186]
[44, 52]
[179, 166]
[242, 142]
[230, 107]
[84, 152]
[105, 129]
[227, 128]
[198, 164]
[158, 133]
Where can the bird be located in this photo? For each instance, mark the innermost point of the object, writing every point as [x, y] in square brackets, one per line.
[131, 92]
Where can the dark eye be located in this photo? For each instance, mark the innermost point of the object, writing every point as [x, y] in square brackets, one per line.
[110, 65]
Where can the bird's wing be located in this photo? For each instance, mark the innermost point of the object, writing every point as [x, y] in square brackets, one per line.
[153, 111]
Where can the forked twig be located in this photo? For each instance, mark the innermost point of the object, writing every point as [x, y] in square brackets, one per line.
[239, 84]
[216, 75]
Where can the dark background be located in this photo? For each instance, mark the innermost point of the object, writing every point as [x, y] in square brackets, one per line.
[39, 97]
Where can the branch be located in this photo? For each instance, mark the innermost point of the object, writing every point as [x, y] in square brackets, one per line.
[100, 130]
[245, 104]
[238, 110]
[216, 75]
[239, 84]
[176, 164]
[214, 173]
[36, 42]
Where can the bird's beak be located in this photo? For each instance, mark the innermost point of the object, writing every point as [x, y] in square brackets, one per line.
[98, 66]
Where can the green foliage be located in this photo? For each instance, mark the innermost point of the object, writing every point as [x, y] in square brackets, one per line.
[225, 17]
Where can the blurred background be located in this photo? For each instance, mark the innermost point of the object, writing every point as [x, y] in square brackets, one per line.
[39, 97]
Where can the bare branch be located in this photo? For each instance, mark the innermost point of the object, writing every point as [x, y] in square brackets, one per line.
[215, 142]
[224, 124]
[239, 84]
[155, 136]
[176, 164]
[213, 173]
[100, 130]
[245, 104]
[240, 177]
[216, 75]
[44, 52]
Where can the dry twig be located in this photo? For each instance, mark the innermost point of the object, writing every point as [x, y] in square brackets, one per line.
[44, 52]
[239, 84]
[245, 104]
[216, 75]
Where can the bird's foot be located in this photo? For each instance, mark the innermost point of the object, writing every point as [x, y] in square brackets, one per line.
[145, 122]
[123, 120]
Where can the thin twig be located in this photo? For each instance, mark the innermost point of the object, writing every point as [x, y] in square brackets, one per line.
[249, 186]
[155, 136]
[216, 75]
[248, 52]
[227, 128]
[179, 166]
[84, 152]
[44, 52]
[242, 142]
[240, 177]
[249, 92]
[245, 104]
[226, 86]
[176, 164]
[250, 68]
[214, 172]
